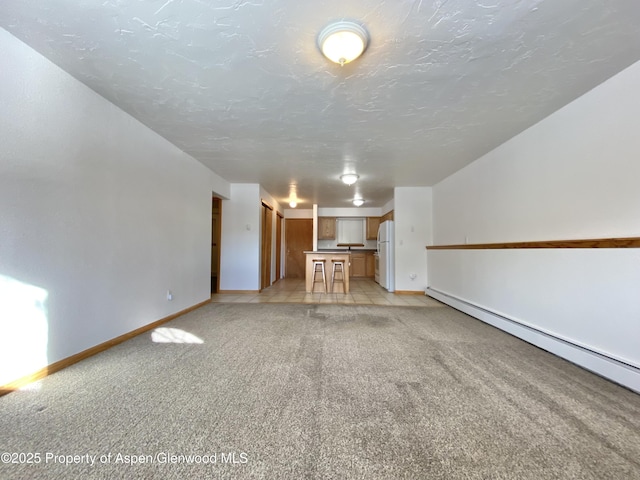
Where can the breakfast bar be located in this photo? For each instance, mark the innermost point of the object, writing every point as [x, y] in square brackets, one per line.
[327, 256]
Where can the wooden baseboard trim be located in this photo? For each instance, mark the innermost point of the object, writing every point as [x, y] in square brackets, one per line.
[409, 292]
[238, 291]
[66, 362]
[632, 242]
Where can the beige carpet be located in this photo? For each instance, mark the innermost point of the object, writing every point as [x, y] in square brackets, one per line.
[323, 392]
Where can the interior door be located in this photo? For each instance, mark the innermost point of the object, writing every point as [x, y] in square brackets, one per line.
[278, 246]
[265, 264]
[298, 237]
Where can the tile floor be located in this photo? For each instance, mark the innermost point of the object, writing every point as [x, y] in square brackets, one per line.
[363, 291]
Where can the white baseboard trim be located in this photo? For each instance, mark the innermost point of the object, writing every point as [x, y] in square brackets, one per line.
[607, 367]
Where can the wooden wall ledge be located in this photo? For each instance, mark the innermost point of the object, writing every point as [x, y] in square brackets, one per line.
[633, 242]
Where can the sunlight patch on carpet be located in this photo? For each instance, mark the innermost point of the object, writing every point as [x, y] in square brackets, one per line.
[173, 335]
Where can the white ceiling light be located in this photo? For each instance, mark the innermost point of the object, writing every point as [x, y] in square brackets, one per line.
[358, 202]
[293, 195]
[349, 178]
[343, 42]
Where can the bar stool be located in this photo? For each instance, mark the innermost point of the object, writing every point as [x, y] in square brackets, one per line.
[318, 267]
[338, 267]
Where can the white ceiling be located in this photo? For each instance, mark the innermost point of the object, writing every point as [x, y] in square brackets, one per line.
[241, 85]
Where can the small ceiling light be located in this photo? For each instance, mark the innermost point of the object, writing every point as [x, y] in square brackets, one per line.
[343, 42]
[349, 178]
[293, 194]
[358, 202]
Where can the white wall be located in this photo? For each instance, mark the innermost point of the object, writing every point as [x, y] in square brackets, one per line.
[387, 207]
[100, 217]
[240, 239]
[574, 175]
[298, 213]
[413, 232]
[348, 212]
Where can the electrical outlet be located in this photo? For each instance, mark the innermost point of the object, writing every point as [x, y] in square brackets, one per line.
[169, 295]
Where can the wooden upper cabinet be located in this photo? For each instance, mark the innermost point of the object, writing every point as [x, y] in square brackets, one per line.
[387, 216]
[372, 227]
[326, 228]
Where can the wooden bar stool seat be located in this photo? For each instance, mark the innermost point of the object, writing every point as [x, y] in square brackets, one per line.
[338, 267]
[318, 267]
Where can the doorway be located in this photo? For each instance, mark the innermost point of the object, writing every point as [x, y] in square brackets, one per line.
[298, 237]
[278, 246]
[216, 212]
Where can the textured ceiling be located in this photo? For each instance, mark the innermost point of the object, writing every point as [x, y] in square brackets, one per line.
[241, 85]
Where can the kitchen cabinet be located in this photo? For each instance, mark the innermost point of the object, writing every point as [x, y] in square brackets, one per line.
[370, 265]
[326, 228]
[358, 267]
[362, 264]
[372, 227]
[387, 216]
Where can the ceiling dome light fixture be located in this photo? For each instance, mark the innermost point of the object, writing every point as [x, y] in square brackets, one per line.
[358, 202]
[293, 194]
[343, 42]
[349, 178]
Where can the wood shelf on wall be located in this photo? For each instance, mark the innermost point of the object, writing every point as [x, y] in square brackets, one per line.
[632, 242]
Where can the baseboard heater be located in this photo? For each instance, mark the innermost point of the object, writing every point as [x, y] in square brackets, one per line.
[610, 368]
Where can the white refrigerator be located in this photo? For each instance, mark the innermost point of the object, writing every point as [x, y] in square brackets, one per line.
[385, 258]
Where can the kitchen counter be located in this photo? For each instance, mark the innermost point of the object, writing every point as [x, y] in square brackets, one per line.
[329, 250]
[344, 250]
[327, 255]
